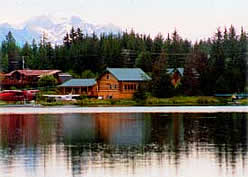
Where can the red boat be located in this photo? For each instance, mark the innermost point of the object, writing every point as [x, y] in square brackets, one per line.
[18, 95]
[30, 94]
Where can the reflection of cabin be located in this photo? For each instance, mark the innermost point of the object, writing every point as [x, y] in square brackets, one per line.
[123, 129]
[120, 129]
[22, 78]
[79, 86]
[120, 82]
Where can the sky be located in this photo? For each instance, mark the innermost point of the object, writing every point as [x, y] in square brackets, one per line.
[193, 19]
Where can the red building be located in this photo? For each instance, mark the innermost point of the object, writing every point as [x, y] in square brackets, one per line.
[22, 78]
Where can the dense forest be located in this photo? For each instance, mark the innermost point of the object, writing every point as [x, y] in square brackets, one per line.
[215, 65]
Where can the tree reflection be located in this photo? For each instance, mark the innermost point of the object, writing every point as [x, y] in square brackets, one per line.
[78, 143]
[26, 140]
[223, 134]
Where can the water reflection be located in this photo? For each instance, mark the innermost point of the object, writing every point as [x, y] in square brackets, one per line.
[124, 145]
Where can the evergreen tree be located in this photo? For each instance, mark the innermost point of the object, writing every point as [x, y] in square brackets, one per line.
[144, 61]
[27, 54]
[158, 43]
[161, 81]
[194, 68]
[73, 35]
[3, 62]
[67, 41]
[10, 49]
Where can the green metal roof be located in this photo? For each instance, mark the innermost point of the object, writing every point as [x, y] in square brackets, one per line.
[78, 83]
[129, 74]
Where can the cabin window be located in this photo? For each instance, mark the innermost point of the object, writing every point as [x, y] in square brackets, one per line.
[110, 86]
[108, 76]
[115, 86]
[133, 87]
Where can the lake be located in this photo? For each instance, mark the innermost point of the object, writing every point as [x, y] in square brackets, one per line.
[124, 145]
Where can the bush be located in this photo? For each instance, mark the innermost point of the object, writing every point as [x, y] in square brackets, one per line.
[141, 94]
[207, 100]
[244, 101]
[93, 101]
[157, 101]
[88, 74]
[182, 100]
[125, 102]
[47, 81]
[246, 89]
[13, 88]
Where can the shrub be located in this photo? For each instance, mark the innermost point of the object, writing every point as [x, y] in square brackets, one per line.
[93, 101]
[88, 74]
[125, 102]
[142, 93]
[13, 88]
[47, 81]
[207, 100]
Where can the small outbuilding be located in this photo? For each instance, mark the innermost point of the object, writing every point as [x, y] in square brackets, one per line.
[79, 86]
[63, 77]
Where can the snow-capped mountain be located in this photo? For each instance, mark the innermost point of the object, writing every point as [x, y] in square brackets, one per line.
[54, 29]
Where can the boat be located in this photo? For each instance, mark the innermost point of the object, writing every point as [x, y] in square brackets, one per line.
[18, 95]
[30, 95]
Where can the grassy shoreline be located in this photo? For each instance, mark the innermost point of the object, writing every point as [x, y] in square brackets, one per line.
[151, 101]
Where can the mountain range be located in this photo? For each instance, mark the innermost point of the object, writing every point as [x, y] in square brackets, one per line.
[54, 29]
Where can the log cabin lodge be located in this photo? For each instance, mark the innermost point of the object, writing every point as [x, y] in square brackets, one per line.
[116, 83]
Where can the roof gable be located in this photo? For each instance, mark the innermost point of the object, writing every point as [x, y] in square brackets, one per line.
[28, 72]
[173, 70]
[129, 74]
[78, 83]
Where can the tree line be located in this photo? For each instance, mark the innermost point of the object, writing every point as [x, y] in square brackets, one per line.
[215, 65]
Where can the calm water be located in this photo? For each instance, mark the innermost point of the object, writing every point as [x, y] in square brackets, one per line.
[123, 145]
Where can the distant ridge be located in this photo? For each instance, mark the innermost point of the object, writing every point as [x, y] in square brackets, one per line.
[55, 29]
